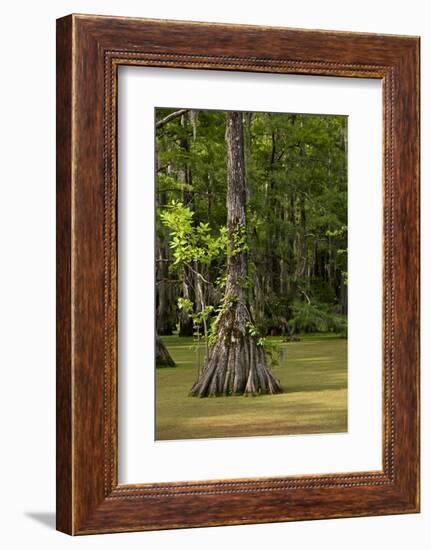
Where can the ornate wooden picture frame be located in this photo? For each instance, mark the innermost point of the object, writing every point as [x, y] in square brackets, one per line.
[89, 51]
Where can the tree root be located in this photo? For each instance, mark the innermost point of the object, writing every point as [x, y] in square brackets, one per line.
[163, 359]
[237, 366]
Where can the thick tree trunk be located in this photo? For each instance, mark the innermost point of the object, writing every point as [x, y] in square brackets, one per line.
[237, 365]
[163, 359]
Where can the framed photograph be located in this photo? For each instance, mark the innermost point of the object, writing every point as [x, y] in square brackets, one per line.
[237, 274]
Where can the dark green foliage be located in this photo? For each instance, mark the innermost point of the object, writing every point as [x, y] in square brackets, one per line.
[316, 318]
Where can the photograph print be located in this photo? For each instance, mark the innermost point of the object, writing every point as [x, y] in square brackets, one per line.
[250, 273]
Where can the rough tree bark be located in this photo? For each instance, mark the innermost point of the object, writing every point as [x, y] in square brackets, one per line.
[165, 297]
[236, 365]
[163, 359]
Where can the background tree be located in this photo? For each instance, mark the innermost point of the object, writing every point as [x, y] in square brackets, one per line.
[163, 358]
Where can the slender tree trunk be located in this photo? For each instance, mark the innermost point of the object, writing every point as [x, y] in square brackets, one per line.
[272, 237]
[237, 365]
[165, 298]
[343, 297]
[163, 359]
[291, 253]
[165, 310]
[184, 320]
[185, 176]
[301, 266]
